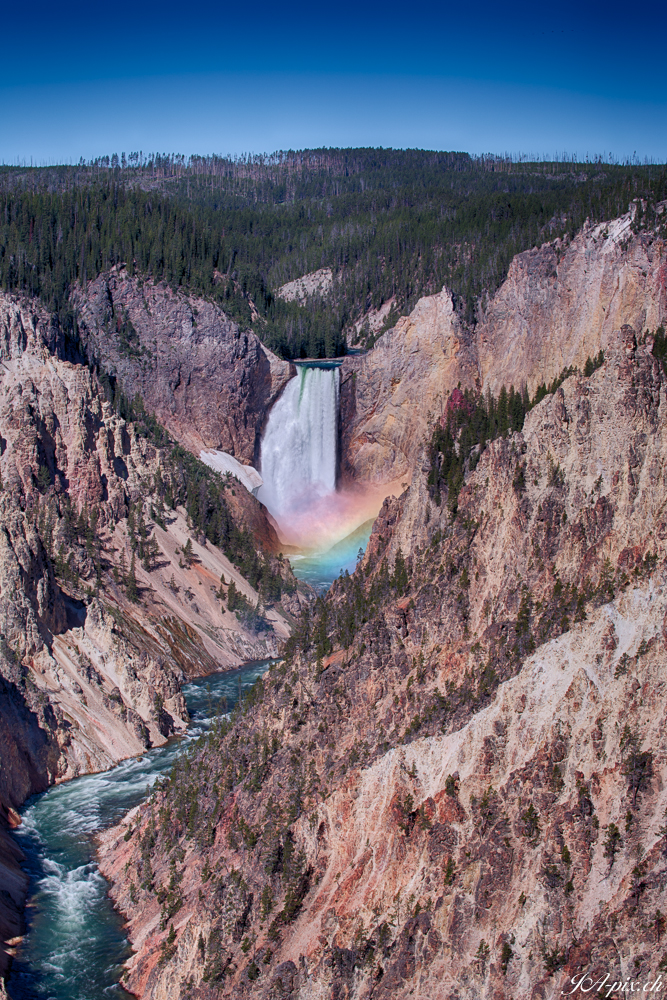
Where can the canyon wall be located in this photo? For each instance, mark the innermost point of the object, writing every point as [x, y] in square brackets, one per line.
[391, 396]
[208, 382]
[567, 301]
[454, 784]
[559, 305]
[64, 451]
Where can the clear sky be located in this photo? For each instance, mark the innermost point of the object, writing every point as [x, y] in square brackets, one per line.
[86, 80]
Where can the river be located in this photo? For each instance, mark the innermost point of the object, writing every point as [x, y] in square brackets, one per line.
[74, 948]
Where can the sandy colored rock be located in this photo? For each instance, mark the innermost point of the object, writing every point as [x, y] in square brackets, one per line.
[391, 396]
[317, 283]
[427, 808]
[88, 676]
[563, 303]
[559, 305]
[461, 761]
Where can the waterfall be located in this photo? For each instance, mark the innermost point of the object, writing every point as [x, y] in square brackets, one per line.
[321, 527]
[299, 447]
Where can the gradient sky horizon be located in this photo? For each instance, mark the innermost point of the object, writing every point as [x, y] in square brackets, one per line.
[78, 81]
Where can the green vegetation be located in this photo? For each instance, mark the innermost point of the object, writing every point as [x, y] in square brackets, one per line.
[660, 347]
[185, 480]
[389, 223]
[637, 764]
[72, 541]
[188, 482]
[468, 424]
[530, 823]
[592, 364]
[612, 844]
[505, 957]
[471, 421]
[188, 805]
[330, 622]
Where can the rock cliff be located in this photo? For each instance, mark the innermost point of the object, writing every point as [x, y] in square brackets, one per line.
[566, 301]
[391, 396]
[559, 305]
[453, 786]
[207, 381]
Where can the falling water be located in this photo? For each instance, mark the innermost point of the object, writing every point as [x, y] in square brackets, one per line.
[299, 448]
[323, 526]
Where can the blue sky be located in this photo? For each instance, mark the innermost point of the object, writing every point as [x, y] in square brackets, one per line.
[579, 78]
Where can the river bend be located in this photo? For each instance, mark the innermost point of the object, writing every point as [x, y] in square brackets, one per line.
[74, 948]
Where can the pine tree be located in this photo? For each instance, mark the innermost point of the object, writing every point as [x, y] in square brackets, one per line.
[400, 579]
[131, 588]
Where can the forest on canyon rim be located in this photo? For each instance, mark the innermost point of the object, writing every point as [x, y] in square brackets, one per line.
[392, 225]
[451, 785]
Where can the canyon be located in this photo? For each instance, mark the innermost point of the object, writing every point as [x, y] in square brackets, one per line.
[559, 305]
[456, 765]
[450, 785]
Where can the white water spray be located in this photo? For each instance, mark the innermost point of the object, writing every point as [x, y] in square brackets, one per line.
[299, 447]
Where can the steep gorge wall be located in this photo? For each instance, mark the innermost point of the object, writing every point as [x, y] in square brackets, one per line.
[89, 675]
[208, 382]
[559, 305]
[565, 302]
[60, 439]
[391, 396]
[399, 894]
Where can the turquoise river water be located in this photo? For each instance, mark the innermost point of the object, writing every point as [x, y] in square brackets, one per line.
[75, 946]
[321, 568]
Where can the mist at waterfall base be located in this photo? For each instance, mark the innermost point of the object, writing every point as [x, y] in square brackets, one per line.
[324, 527]
[75, 946]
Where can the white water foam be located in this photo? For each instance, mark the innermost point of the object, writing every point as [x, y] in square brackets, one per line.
[299, 448]
[75, 944]
[299, 460]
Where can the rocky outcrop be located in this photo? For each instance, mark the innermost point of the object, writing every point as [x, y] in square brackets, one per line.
[371, 323]
[559, 305]
[390, 397]
[453, 787]
[565, 302]
[317, 283]
[208, 382]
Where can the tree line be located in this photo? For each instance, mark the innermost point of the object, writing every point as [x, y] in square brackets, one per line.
[389, 223]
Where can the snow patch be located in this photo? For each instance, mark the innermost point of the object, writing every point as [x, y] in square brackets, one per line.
[223, 463]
